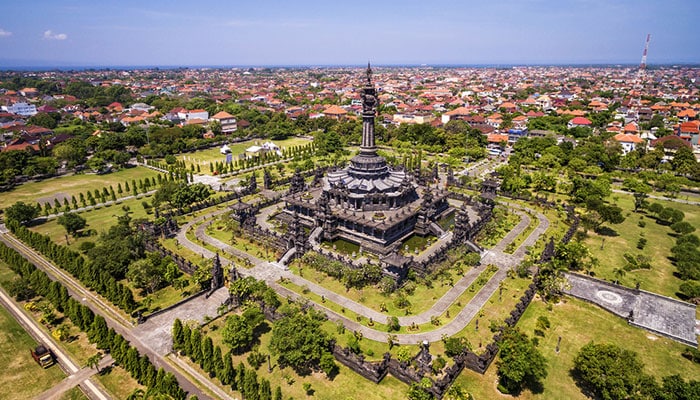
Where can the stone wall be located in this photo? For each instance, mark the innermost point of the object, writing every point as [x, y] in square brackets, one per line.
[182, 263]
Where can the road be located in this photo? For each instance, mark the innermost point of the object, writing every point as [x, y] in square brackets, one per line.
[65, 361]
[114, 320]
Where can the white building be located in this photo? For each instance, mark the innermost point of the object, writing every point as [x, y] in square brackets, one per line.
[21, 108]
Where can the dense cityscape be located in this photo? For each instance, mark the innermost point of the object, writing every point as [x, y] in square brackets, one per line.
[501, 203]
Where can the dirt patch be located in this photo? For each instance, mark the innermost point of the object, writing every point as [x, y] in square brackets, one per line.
[50, 199]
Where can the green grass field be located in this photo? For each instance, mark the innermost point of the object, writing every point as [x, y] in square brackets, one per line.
[99, 219]
[74, 394]
[578, 323]
[213, 155]
[72, 185]
[118, 382]
[21, 377]
[609, 250]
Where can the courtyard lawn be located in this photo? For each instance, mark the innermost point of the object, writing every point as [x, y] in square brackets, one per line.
[609, 250]
[73, 185]
[577, 323]
[213, 155]
[422, 299]
[381, 325]
[161, 298]
[496, 310]
[22, 378]
[495, 230]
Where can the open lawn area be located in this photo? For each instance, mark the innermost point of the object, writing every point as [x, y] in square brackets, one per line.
[74, 394]
[98, 219]
[72, 185]
[21, 377]
[609, 250]
[118, 382]
[213, 155]
[578, 323]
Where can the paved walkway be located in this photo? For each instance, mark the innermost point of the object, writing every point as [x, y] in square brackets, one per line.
[669, 317]
[74, 380]
[271, 273]
[673, 199]
[105, 204]
[156, 331]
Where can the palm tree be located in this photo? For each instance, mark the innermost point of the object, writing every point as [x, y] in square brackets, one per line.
[94, 361]
[619, 273]
[391, 340]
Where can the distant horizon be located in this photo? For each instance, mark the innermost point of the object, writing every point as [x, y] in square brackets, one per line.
[82, 33]
[86, 67]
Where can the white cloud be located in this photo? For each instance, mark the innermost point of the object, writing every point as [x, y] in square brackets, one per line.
[4, 33]
[55, 36]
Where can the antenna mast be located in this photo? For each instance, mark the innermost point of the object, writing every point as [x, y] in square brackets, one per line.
[643, 64]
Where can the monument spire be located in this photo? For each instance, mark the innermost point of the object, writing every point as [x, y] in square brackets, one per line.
[369, 74]
[369, 105]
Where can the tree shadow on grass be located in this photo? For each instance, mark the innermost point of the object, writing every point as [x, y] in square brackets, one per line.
[606, 231]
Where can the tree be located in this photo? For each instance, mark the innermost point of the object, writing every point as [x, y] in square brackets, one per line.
[237, 333]
[683, 228]
[250, 385]
[21, 212]
[573, 256]
[686, 256]
[46, 120]
[298, 340]
[278, 393]
[72, 222]
[146, 274]
[72, 152]
[178, 336]
[608, 371]
[419, 390]
[94, 361]
[455, 345]
[521, 363]
[684, 160]
[671, 215]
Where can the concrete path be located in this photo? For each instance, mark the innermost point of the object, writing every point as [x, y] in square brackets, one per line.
[271, 273]
[156, 331]
[74, 380]
[106, 203]
[673, 199]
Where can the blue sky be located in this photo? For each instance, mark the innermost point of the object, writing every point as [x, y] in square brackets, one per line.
[301, 32]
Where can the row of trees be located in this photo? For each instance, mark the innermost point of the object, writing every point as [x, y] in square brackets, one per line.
[138, 366]
[93, 274]
[201, 350]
